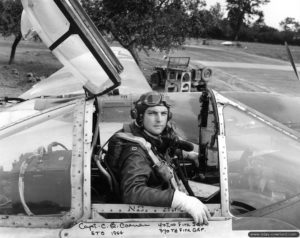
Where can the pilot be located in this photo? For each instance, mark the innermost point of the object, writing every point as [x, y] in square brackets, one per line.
[138, 158]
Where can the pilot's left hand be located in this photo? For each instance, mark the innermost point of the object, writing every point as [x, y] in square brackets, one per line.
[192, 155]
[191, 205]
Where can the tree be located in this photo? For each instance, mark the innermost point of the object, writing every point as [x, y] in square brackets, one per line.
[205, 23]
[141, 25]
[241, 10]
[215, 29]
[197, 23]
[290, 24]
[216, 11]
[10, 19]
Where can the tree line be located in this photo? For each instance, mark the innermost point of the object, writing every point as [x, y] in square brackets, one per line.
[164, 24]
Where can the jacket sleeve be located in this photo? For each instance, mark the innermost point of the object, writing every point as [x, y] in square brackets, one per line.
[136, 171]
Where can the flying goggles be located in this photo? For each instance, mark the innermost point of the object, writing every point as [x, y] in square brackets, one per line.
[154, 99]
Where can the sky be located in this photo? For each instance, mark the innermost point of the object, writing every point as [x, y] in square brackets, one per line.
[275, 11]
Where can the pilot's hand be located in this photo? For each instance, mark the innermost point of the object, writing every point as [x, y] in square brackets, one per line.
[192, 156]
[191, 205]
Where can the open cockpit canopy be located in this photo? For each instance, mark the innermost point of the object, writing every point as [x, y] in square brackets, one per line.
[72, 37]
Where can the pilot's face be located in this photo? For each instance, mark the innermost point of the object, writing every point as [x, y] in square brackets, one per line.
[155, 119]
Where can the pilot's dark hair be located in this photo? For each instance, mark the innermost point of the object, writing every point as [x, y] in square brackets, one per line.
[146, 100]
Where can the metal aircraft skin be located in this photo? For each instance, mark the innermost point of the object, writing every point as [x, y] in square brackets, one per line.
[52, 186]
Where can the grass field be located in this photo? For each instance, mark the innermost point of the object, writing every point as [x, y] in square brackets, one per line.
[34, 57]
[31, 57]
[267, 50]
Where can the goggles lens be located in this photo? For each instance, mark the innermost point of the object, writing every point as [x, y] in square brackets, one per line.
[153, 99]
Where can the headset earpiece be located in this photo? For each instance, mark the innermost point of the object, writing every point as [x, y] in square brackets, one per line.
[133, 113]
[170, 115]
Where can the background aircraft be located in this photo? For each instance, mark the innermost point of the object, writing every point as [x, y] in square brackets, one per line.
[52, 180]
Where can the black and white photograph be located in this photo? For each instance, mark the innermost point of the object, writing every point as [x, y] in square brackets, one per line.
[149, 118]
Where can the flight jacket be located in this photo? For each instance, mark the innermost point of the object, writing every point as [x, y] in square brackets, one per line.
[133, 170]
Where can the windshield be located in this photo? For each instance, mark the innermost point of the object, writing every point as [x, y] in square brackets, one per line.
[263, 162]
[35, 167]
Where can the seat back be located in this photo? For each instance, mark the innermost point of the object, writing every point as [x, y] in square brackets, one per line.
[107, 173]
[115, 188]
